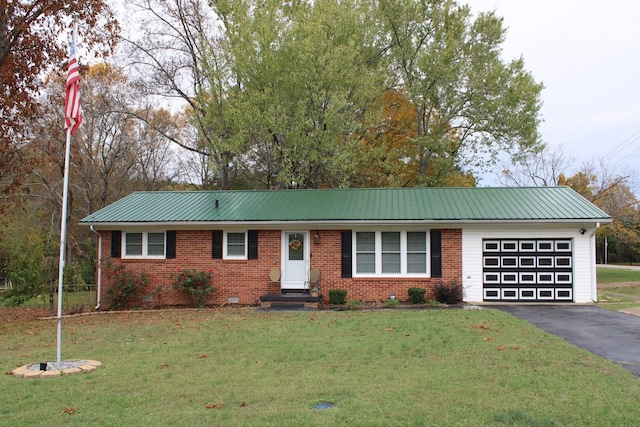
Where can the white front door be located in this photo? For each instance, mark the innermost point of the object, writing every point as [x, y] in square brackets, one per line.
[295, 259]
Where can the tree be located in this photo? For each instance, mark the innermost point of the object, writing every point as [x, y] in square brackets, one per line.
[175, 53]
[546, 167]
[389, 159]
[469, 105]
[283, 94]
[305, 74]
[29, 47]
[612, 192]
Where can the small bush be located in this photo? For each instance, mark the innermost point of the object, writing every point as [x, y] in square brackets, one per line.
[448, 293]
[195, 284]
[337, 296]
[354, 303]
[126, 285]
[391, 303]
[416, 295]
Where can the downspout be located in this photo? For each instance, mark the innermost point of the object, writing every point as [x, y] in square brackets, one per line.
[594, 281]
[99, 284]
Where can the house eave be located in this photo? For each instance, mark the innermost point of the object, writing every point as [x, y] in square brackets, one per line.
[334, 224]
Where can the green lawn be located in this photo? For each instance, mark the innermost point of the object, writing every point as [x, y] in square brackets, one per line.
[618, 298]
[247, 367]
[71, 301]
[613, 275]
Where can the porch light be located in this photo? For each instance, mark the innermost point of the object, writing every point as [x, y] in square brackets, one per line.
[316, 238]
[392, 296]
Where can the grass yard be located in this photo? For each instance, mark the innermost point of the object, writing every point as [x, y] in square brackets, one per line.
[616, 275]
[613, 297]
[245, 367]
[81, 301]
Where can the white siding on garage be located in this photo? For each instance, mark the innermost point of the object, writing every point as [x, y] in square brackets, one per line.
[583, 257]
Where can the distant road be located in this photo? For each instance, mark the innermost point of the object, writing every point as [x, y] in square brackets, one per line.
[625, 267]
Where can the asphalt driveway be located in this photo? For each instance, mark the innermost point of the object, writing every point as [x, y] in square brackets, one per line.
[615, 336]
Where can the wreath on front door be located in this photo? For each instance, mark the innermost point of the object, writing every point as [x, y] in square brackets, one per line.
[295, 244]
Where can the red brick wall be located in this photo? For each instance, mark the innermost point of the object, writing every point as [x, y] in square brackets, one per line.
[327, 259]
[248, 279]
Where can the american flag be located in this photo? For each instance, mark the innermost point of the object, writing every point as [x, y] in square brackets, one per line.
[72, 109]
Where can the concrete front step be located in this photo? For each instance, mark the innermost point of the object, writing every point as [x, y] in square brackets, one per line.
[289, 301]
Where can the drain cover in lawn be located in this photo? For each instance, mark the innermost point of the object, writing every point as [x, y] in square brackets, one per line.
[324, 405]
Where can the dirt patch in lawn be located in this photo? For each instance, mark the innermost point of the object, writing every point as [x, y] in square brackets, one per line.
[21, 315]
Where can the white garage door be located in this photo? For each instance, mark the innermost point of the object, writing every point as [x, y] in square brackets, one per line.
[527, 270]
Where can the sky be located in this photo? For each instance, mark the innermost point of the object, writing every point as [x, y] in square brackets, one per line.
[587, 55]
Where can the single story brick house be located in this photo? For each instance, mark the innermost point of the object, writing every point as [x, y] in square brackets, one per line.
[524, 244]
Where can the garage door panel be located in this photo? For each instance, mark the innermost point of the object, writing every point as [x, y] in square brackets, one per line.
[528, 269]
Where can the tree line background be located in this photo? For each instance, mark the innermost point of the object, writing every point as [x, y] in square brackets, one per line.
[265, 94]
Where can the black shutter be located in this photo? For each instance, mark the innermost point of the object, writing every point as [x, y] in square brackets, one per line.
[252, 244]
[116, 244]
[171, 244]
[347, 265]
[216, 244]
[436, 253]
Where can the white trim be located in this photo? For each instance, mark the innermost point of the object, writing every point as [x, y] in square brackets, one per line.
[546, 298]
[528, 298]
[506, 291]
[378, 254]
[284, 283]
[225, 245]
[492, 290]
[338, 224]
[145, 245]
[564, 298]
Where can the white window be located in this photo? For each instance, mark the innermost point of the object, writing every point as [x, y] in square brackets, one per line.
[416, 252]
[365, 253]
[390, 253]
[235, 245]
[144, 244]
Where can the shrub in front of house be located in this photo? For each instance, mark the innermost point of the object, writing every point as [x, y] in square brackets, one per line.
[448, 293]
[416, 295]
[196, 285]
[354, 303]
[126, 286]
[337, 296]
[391, 303]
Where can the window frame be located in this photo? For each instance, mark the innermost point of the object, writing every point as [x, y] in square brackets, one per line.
[378, 252]
[225, 245]
[145, 245]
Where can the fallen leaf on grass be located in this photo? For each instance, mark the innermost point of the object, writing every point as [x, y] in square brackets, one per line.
[501, 348]
[515, 347]
[202, 356]
[391, 329]
[164, 365]
[214, 405]
[487, 339]
[68, 410]
[243, 404]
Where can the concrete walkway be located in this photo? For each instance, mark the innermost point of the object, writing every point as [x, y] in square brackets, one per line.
[613, 335]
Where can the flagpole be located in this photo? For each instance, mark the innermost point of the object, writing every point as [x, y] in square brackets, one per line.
[63, 242]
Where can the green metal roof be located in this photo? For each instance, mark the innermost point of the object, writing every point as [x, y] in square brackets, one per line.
[388, 204]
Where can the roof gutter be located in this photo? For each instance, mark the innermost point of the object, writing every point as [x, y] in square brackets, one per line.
[99, 284]
[344, 223]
